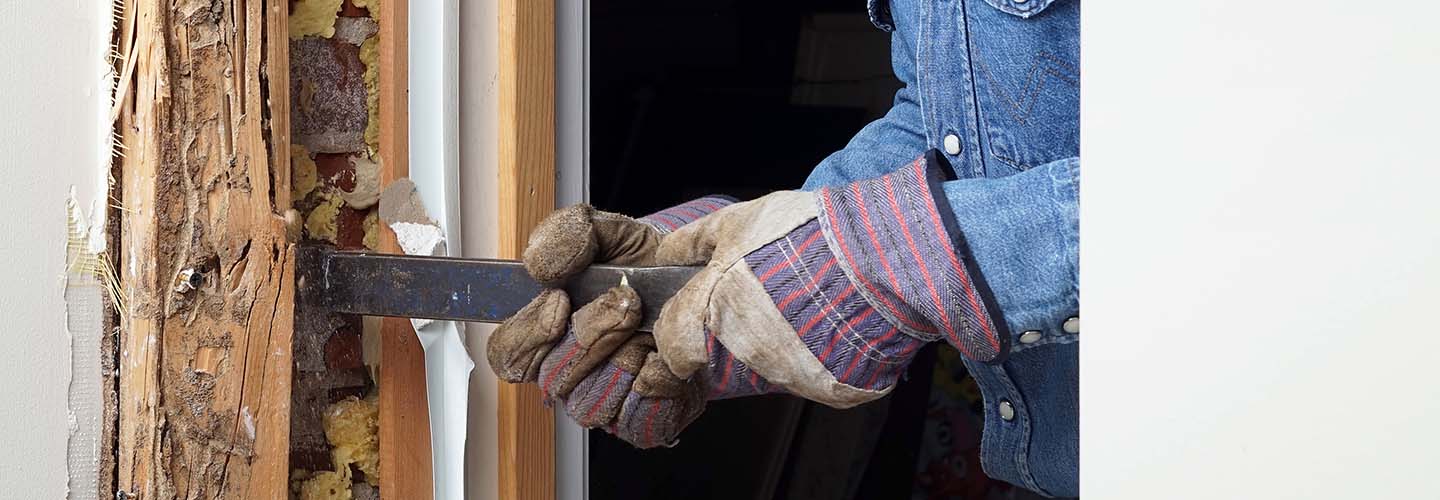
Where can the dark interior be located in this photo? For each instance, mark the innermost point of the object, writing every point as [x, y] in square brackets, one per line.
[725, 97]
[689, 99]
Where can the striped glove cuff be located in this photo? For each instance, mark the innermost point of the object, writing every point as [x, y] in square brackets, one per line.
[896, 239]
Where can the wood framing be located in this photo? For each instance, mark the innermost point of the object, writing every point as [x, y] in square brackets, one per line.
[205, 264]
[405, 468]
[527, 194]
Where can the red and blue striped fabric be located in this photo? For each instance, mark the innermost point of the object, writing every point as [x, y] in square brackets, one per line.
[728, 377]
[904, 253]
[596, 399]
[802, 276]
[672, 218]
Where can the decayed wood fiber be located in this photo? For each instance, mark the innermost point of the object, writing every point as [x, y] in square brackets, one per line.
[205, 367]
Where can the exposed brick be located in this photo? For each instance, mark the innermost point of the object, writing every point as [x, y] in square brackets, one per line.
[348, 9]
[350, 228]
[327, 97]
[335, 170]
[342, 351]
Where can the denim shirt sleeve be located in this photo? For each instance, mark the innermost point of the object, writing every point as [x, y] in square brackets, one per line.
[1023, 228]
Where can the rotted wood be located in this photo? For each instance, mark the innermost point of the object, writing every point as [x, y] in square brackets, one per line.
[205, 266]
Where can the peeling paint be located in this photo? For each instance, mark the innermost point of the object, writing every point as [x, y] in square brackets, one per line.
[84, 307]
[313, 17]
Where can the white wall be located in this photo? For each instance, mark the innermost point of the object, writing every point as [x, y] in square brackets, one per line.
[1260, 250]
[51, 138]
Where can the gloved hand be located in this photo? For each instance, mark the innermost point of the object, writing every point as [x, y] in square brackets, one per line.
[826, 294]
[592, 362]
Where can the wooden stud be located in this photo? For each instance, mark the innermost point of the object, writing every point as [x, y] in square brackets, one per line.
[204, 185]
[405, 468]
[527, 194]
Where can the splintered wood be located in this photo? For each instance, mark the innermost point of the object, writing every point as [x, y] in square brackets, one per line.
[205, 359]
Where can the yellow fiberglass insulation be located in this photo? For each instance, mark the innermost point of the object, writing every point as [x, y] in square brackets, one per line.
[303, 174]
[314, 17]
[326, 485]
[371, 5]
[372, 230]
[370, 56]
[321, 221]
[352, 427]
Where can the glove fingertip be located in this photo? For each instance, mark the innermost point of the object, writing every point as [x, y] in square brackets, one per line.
[561, 245]
[516, 348]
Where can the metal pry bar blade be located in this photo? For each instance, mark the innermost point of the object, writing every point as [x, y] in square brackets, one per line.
[455, 289]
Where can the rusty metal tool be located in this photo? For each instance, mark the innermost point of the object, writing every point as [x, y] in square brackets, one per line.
[455, 289]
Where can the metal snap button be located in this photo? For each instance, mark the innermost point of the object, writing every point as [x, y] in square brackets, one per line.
[1030, 337]
[1071, 325]
[952, 144]
[1007, 411]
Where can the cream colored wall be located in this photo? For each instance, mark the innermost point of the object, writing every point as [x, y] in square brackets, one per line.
[479, 53]
[52, 139]
[479, 173]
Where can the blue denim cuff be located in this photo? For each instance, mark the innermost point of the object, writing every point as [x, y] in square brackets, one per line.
[1024, 231]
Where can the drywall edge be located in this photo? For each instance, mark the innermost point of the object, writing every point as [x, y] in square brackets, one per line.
[55, 141]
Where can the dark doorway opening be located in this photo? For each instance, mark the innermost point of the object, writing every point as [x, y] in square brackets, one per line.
[743, 98]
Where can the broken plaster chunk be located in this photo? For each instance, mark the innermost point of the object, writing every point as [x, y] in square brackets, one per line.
[313, 17]
[321, 222]
[367, 184]
[417, 233]
[402, 210]
[354, 30]
[419, 239]
[400, 202]
[303, 176]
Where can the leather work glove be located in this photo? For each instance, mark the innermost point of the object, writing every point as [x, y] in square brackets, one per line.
[592, 361]
[826, 294]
